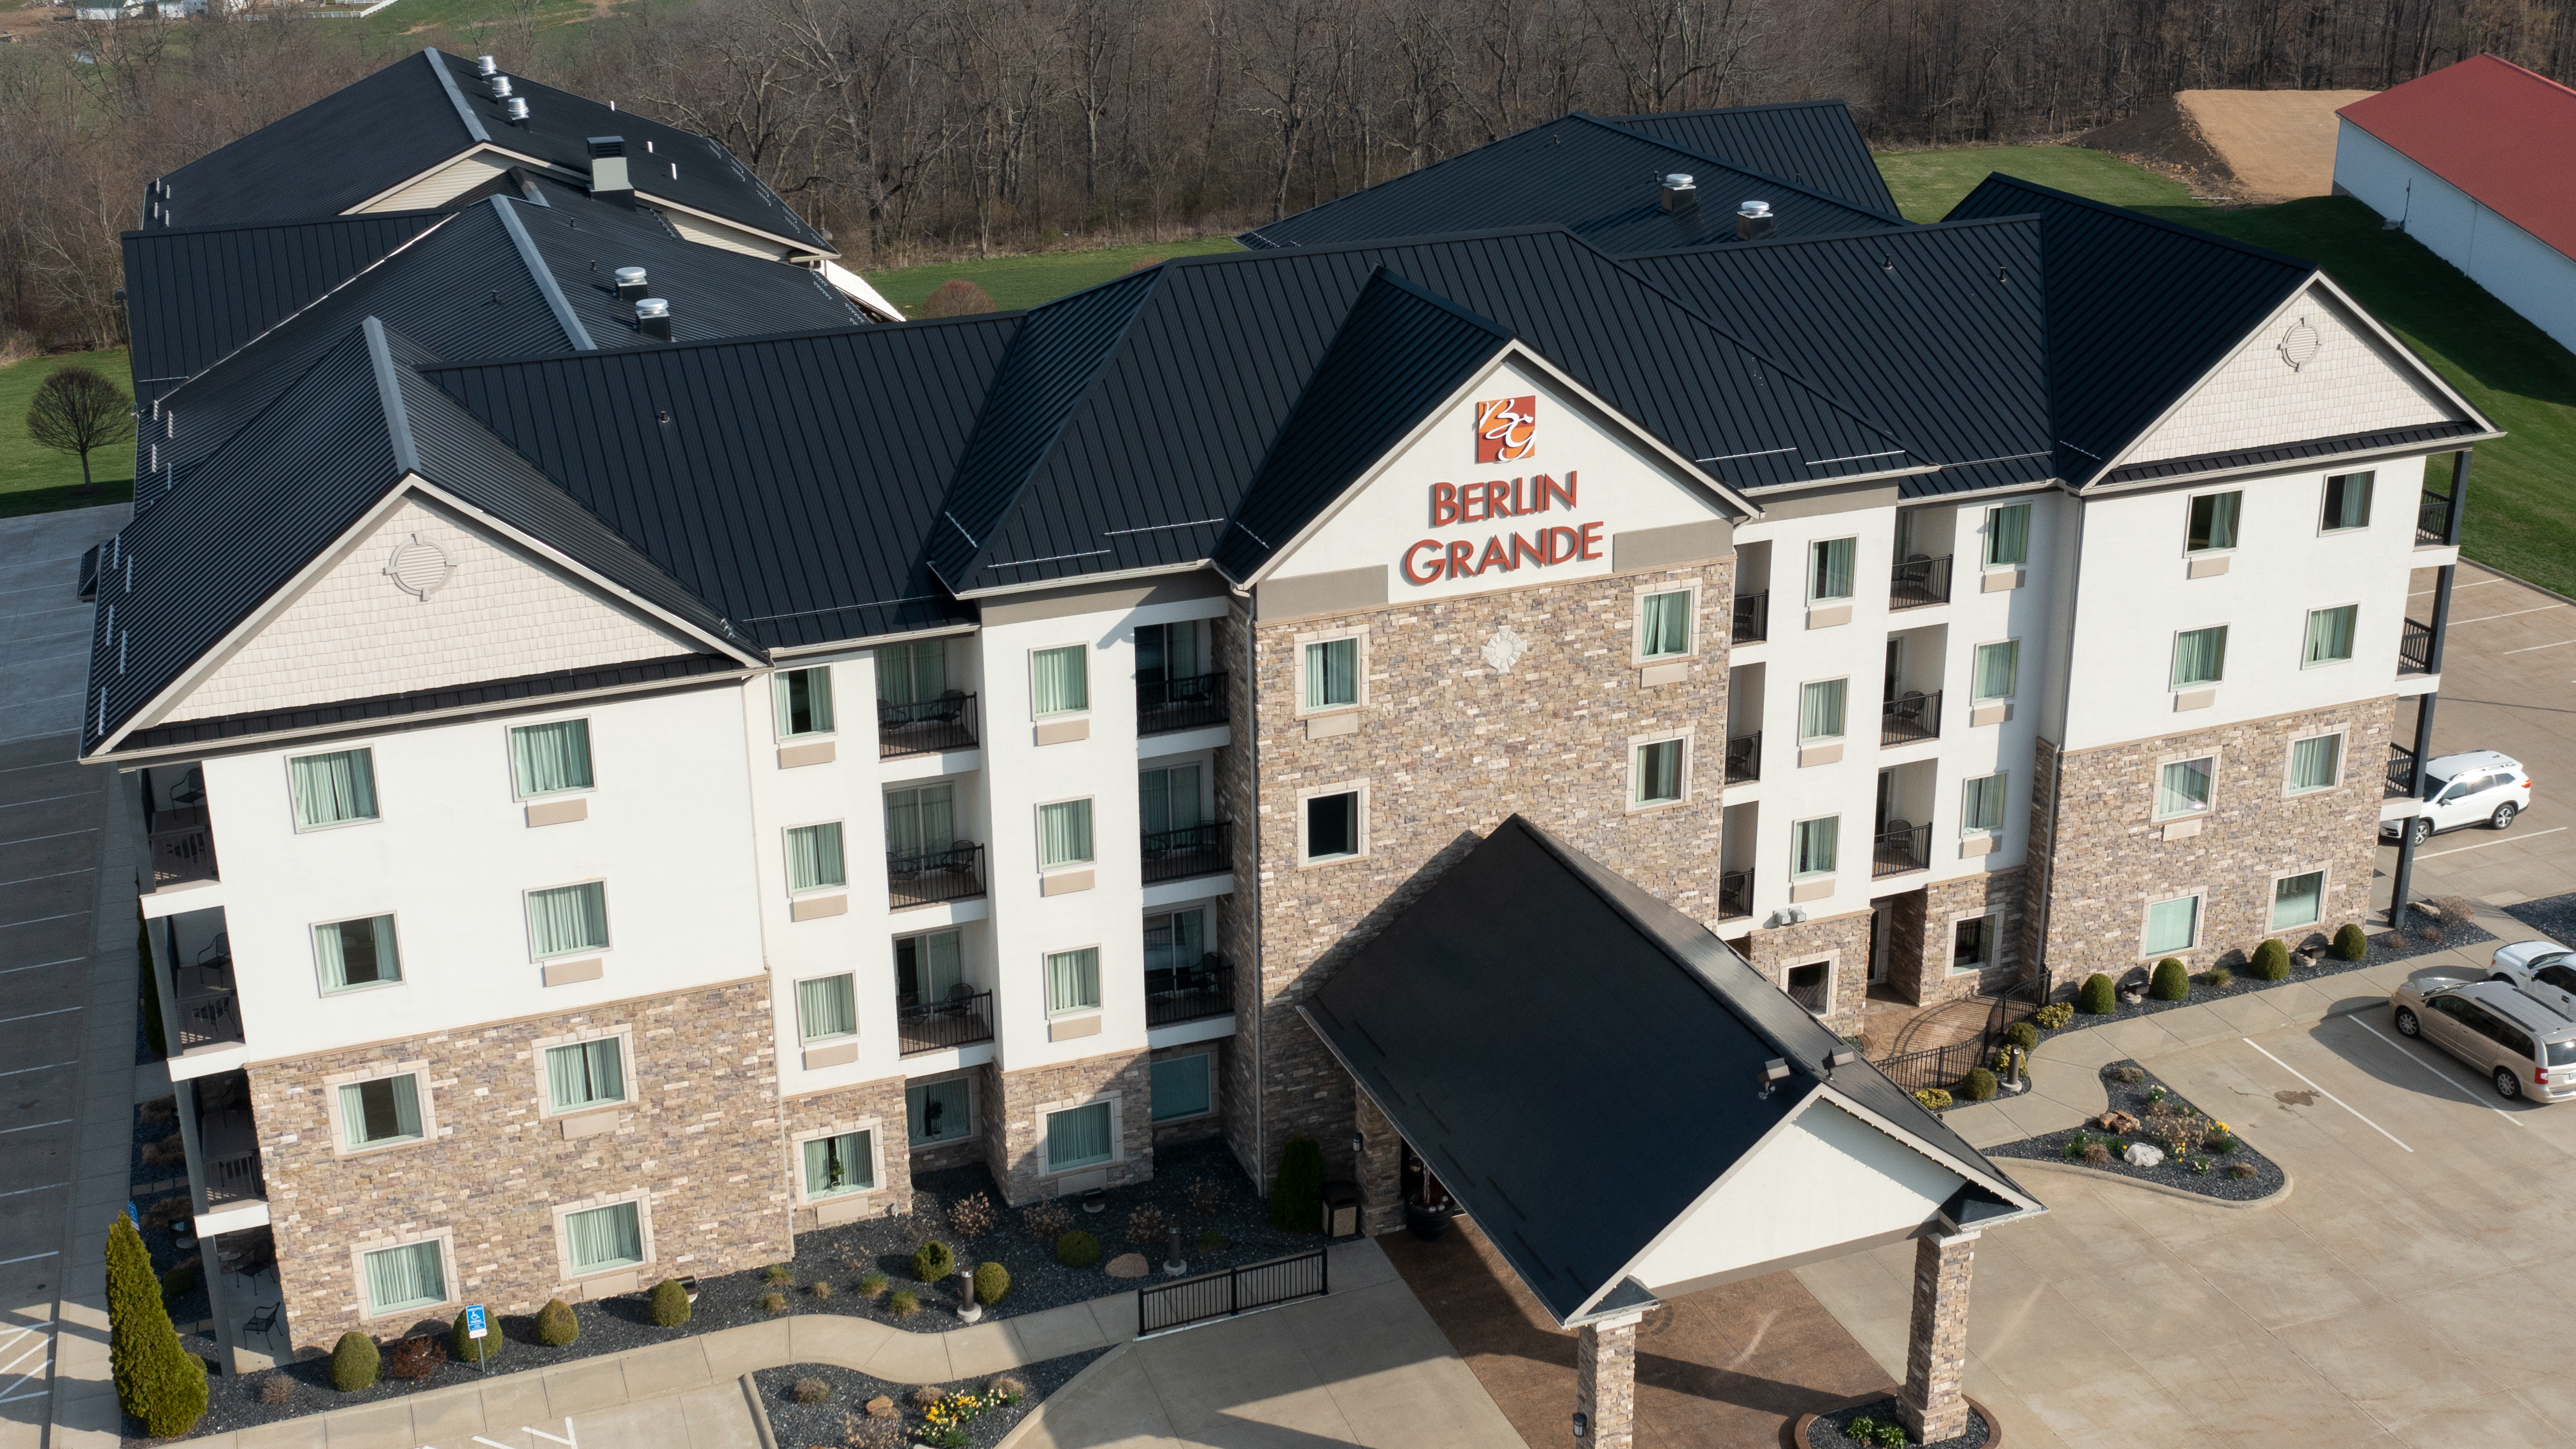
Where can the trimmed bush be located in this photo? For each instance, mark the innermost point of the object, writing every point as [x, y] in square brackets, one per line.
[933, 1261]
[2096, 996]
[2271, 961]
[2021, 1034]
[992, 1283]
[670, 1304]
[2170, 982]
[474, 1350]
[157, 1380]
[1979, 1086]
[1932, 1098]
[1297, 1193]
[1077, 1249]
[354, 1362]
[2349, 942]
[556, 1327]
[2054, 1015]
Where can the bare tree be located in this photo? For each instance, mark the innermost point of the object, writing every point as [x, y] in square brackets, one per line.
[76, 410]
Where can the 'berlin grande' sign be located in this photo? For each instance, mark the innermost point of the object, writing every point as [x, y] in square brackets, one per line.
[1434, 559]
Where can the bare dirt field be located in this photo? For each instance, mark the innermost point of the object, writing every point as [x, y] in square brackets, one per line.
[2247, 146]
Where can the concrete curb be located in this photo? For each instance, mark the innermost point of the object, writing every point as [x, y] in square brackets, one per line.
[1028, 1426]
[2075, 1170]
[759, 1413]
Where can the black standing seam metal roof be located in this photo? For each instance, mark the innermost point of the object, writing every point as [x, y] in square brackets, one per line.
[1600, 181]
[1470, 1016]
[1813, 143]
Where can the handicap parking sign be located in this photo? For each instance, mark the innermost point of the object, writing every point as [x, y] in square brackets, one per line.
[474, 1320]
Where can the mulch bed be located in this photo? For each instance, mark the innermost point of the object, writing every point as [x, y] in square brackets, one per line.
[1827, 1432]
[840, 1417]
[2137, 1098]
[2551, 916]
[2312, 962]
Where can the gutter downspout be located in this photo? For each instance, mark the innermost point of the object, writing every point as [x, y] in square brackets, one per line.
[1252, 770]
[2401, 882]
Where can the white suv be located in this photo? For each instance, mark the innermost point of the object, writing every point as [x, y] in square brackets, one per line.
[2477, 787]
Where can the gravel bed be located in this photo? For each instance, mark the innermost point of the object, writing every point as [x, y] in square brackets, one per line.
[192, 1306]
[2551, 916]
[2311, 963]
[1827, 1431]
[826, 1423]
[2134, 1098]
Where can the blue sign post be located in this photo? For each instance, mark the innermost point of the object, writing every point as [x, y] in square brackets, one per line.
[475, 1328]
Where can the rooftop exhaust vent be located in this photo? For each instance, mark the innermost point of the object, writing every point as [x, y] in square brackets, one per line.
[653, 318]
[486, 65]
[500, 87]
[1753, 221]
[630, 285]
[609, 180]
[1680, 192]
[518, 109]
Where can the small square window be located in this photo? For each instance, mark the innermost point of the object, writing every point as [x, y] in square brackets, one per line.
[2330, 635]
[2200, 657]
[1059, 680]
[1664, 625]
[2316, 763]
[1064, 834]
[936, 1112]
[2173, 925]
[1073, 981]
[380, 1113]
[814, 858]
[1332, 673]
[1998, 670]
[804, 698]
[842, 1164]
[1813, 845]
[1829, 569]
[357, 953]
[586, 1074]
[548, 759]
[1079, 1137]
[2298, 900]
[333, 789]
[2008, 536]
[1183, 1087]
[1658, 773]
[827, 1007]
[1972, 944]
[2213, 522]
[568, 918]
[2347, 501]
[1981, 805]
[1333, 826]
[605, 1238]
[1811, 986]
[1820, 709]
[398, 1280]
[2182, 787]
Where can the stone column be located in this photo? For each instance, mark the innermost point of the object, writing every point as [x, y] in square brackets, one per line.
[1380, 1169]
[1605, 1381]
[1934, 1406]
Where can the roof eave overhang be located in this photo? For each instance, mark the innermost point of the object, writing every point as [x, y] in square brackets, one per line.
[1109, 576]
[797, 248]
[2292, 465]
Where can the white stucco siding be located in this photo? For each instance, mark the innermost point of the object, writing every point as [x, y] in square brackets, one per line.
[2350, 383]
[2518, 269]
[354, 633]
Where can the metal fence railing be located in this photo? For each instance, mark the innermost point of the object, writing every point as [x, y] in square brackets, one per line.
[1752, 617]
[954, 874]
[1205, 849]
[1944, 1066]
[1165, 705]
[1911, 716]
[2401, 772]
[1189, 993]
[927, 726]
[1917, 583]
[1184, 1301]
[1744, 758]
[1734, 894]
[963, 1018]
[2415, 649]
[1901, 847]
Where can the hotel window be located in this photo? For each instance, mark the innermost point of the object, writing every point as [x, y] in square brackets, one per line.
[548, 759]
[1168, 800]
[1820, 709]
[827, 1007]
[2330, 635]
[1664, 625]
[1829, 569]
[1812, 845]
[1981, 805]
[1183, 1087]
[2173, 925]
[1657, 771]
[2200, 656]
[1332, 824]
[357, 953]
[402, 1279]
[380, 1113]
[835, 1165]
[814, 858]
[1078, 1137]
[1165, 652]
[1332, 669]
[598, 1239]
[926, 969]
[2008, 536]
[2213, 522]
[333, 789]
[1998, 671]
[2347, 502]
[1174, 942]
[1972, 944]
[920, 821]
[568, 919]
[2316, 763]
[804, 699]
[906, 673]
[2298, 900]
[586, 1074]
[1059, 680]
[2182, 787]
[936, 1112]
[1064, 834]
[1073, 981]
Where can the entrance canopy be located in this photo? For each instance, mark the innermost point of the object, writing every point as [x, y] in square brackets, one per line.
[1617, 1098]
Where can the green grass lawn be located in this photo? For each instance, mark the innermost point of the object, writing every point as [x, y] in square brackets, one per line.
[1026, 281]
[1928, 183]
[40, 480]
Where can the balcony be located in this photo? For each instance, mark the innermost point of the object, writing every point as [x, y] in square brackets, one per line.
[228, 1141]
[209, 1009]
[1165, 705]
[1189, 993]
[1919, 583]
[954, 874]
[1744, 759]
[1752, 617]
[1901, 848]
[2415, 649]
[926, 727]
[963, 1018]
[1734, 894]
[1910, 717]
[2401, 772]
[2432, 519]
[183, 847]
[1193, 850]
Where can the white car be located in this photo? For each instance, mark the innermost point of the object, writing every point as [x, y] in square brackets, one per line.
[2475, 787]
[2542, 970]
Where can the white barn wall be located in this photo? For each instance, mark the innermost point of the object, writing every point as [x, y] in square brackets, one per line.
[2520, 270]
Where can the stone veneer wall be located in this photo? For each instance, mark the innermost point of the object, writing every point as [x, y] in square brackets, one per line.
[700, 1139]
[983, 1094]
[1013, 1132]
[1193, 1129]
[1845, 938]
[1920, 968]
[2111, 859]
[848, 1109]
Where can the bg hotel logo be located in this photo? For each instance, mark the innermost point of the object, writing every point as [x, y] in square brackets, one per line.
[1506, 432]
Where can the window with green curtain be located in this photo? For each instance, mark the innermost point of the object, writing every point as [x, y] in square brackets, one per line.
[804, 699]
[603, 1238]
[835, 1165]
[2315, 762]
[357, 953]
[1998, 670]
[1981, 805]
[920, 821]
[569, 918]
[386, 1110]
[1332, 673]
[1333, 825]
[1665, 622]
[2200, 656]
[547, 758]
[2213, 522]
[334, 788]
[1078, 1138]
[925, 967]
[1813, 845]
[1829, 569]
[827, 1006]
[1820, 709]
[2298, 900]
[2348, 501]
[1059, 680]
[938, 1111]
[2330, 634]
[2182, 787]
[1658, 771]
[1182, 1087]
[911, 673]
[399, 1279]
[2008, 536]
[1168, 799]
[1073, 980]
[1064, 833]
[2173, 925]
[586, 1074]
[814, 857]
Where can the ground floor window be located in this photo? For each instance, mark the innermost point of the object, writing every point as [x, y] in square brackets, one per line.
[936, 1112]
[404, 1278]
[1079, 1137]
[1184, 1087]
[1972, 944]
[2173, 925]
[1658, 773]
[835, 1165]
[586, 1074]
[604, 1238]
[2316, 762]
[2298, 900]
[1811, 986]
[1333, 826]
[380, 1113]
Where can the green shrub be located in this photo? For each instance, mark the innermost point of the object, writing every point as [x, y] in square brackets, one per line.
[157, 1380]
[354, 1362]
[872, 1285]
[992, 1283]
[1979, 1086]
[1932, 1098]
[556, 1327]
[2271, 961]
[1078, 1249]
[2349, 942]
[2054, 1015]
[2170, 982]
[778, 1273]
[2221, 1143]
[1211, 1241]
[2218, 977]
[474, 1350]
[775, 1302]
[1297, 1193]
[670, 1304]
[933, 1261]
[903, 1303]
[2021, 1034]
[2096, 996]
[180, 1281]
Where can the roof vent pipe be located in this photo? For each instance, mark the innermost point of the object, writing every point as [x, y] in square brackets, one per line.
[630, 284]
[518, 109]
[486, 65]
[1680, 193]
[500, 87]
[1753, 221]
[653, 318]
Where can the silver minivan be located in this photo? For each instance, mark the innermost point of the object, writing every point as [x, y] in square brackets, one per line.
[2523, 1047]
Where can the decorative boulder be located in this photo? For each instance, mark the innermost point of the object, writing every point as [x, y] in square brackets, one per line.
[1127, 1265]
[2119, 1124]
[2141, 1155]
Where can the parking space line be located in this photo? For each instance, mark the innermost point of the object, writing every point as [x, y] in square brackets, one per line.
[21, 1071]
[51, 875]
[48, 799]
[2455, 588]
[31, 1016]
[57, 835]
[2329, 1096]
[2482, 845]
[2439, 1074]
[2508, 614]
[2527, 648]
[40, 920]
[32, 1126]
[39, 966]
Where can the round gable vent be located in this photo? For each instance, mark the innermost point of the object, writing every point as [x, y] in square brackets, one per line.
[2301, 344]
[418, 567]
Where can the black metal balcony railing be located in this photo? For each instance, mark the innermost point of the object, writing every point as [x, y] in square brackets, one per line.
[963, 1018]
[1189, 993]
[2415, 649]
[1744, 758]
[228, 1140]
[1752, 617]
[1919, 582]
[1900, 848]
[183, 847]
[2401, 772]
[1165, 705]
[954, 874]
[926, 727]
[1909, 717]
[1192, 850]
[2432, 518]
[1734, 894]
[208, 1018]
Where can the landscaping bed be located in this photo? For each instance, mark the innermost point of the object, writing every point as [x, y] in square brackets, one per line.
[2159, 1112]
[2313, 961]
[1835, 1430]
[2550, 916]
[819, 1406]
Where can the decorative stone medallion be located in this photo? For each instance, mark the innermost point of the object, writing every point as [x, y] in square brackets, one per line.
[1505, 649]
[2301, 344]
[418, 567]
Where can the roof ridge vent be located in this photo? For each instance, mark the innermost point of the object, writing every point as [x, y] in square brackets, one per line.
[1753, 221]
[1681, 192]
